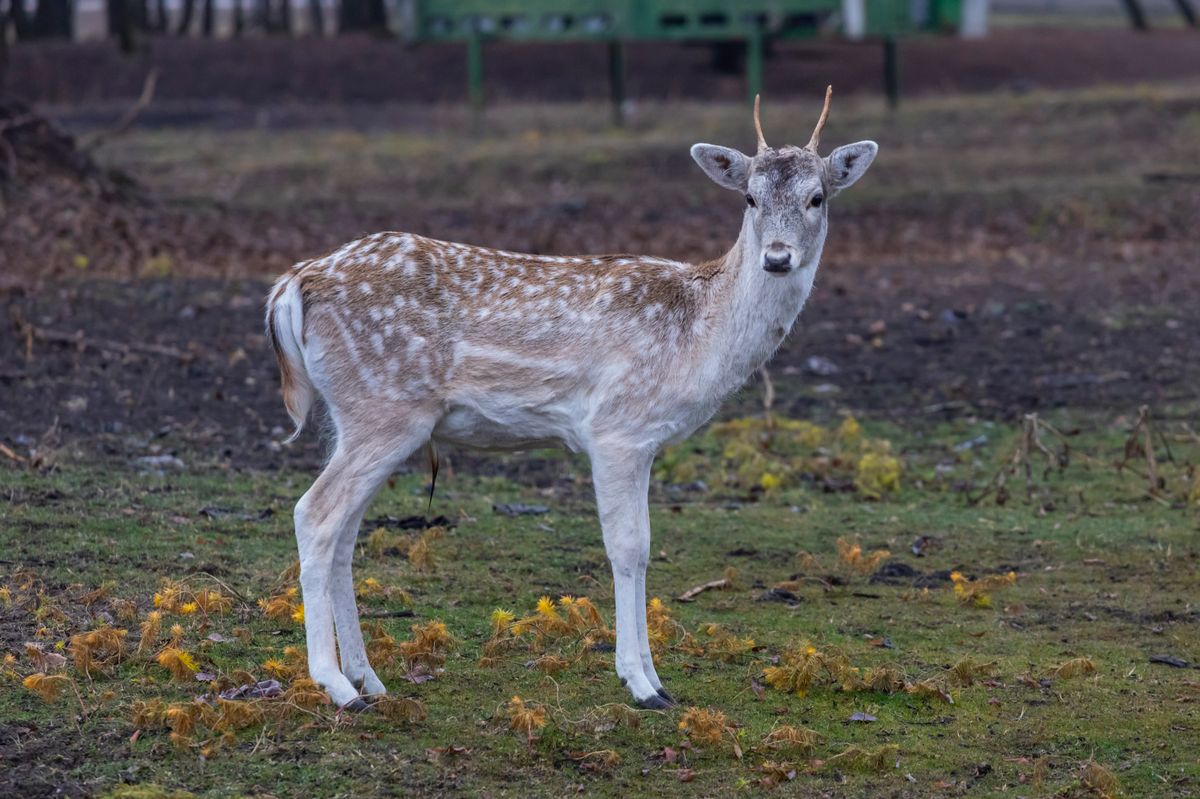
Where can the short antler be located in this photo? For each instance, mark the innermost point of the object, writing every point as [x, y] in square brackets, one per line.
[815, 141]
[762, 143]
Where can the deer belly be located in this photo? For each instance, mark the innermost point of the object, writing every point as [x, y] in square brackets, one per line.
[501, 427]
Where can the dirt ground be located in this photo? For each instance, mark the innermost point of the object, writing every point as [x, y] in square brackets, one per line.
[991, 264]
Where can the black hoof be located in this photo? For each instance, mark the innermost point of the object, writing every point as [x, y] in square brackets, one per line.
[654, 702]
[355, 706]
[663, 693]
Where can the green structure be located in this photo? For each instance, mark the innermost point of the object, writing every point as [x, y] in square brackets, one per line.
[753, 22]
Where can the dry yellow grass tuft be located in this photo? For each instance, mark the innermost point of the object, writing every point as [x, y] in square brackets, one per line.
[401, 708]
[430, 644]
[965, 672]
[420, 551]
[572, 622]
[151, 628]
[978, 592]
[525, 719]
[724, 645]
[281, 606]
[305, 693]
[1076, 667]
[796, 740]
[181, 664]
[97, 649]
[852, 556]
[797, 670]
[704, 726]
[930, 689]
[662, 628]
[856, 757]
[48, 687]
[212, 602]
[1099, 780]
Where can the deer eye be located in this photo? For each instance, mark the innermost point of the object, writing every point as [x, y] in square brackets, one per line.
[816, 201]
[750, 201]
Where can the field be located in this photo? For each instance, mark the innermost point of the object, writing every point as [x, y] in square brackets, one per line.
[918, 599]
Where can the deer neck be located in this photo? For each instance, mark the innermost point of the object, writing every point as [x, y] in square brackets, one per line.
[753, 310]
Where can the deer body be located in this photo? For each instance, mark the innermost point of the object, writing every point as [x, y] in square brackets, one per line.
[409, 340]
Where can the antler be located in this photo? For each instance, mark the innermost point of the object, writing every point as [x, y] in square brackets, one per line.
[762, 143]
[816, 136]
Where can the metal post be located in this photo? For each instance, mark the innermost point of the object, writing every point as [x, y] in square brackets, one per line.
[891, 72]
[475, 79]
[616, 81]
[754, 63]
[1137, 15]
[1189, 13]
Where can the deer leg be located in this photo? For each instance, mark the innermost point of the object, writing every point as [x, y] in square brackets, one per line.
[345, 617]
[334, 504]
[622, 480]
[643, 633]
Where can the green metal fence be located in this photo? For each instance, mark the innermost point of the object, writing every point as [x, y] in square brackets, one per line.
[615, 22]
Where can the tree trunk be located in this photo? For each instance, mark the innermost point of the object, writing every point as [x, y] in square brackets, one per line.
[121, 23]
[53, 20]
[285, 17]
[22, 26]
[139, 11]
[316, 17]
[185, 22]
[262, 14]
[207, 19]
[362, 15]
[239, 19]
[4, 17]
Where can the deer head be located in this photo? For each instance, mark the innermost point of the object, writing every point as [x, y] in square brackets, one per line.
[787, 190]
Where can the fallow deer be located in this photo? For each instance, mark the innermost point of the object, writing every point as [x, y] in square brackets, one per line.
[408, 340]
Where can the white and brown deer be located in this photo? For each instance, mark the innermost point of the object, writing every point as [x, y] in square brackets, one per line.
[409, 340]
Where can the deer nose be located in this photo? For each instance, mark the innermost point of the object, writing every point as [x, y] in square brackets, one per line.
[777, 259]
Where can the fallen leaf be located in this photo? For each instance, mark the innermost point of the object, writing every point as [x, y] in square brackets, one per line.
[859, 715]
[1170, 660]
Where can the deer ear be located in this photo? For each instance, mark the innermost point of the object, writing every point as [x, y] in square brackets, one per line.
[727, 167]
[847, 164]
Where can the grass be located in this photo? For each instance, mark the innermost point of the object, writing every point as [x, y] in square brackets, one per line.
[1103, 572]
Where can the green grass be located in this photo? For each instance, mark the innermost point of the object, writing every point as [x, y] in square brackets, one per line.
[1104, 572]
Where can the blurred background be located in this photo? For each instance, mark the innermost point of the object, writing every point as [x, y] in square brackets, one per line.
[1026, 239]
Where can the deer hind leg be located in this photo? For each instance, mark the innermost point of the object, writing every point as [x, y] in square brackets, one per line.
[345, 616]
[622, 481]
[326, 516]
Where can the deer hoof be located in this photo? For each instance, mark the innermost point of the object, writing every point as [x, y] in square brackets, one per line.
[654, 702]
[663, 693]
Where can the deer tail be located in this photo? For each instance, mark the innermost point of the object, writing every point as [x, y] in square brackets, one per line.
[285, 329]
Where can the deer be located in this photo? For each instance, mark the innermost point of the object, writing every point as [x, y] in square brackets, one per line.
[411, 342]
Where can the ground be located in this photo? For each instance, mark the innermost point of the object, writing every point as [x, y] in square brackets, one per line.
[1007, 255]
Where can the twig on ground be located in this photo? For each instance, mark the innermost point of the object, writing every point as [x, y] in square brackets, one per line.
[128, 118]
[107, 345]
[8, 453]
[768, 396]
[691, 594]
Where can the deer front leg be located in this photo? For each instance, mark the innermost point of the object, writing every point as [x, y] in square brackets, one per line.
[621, 476]
[644, 634]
